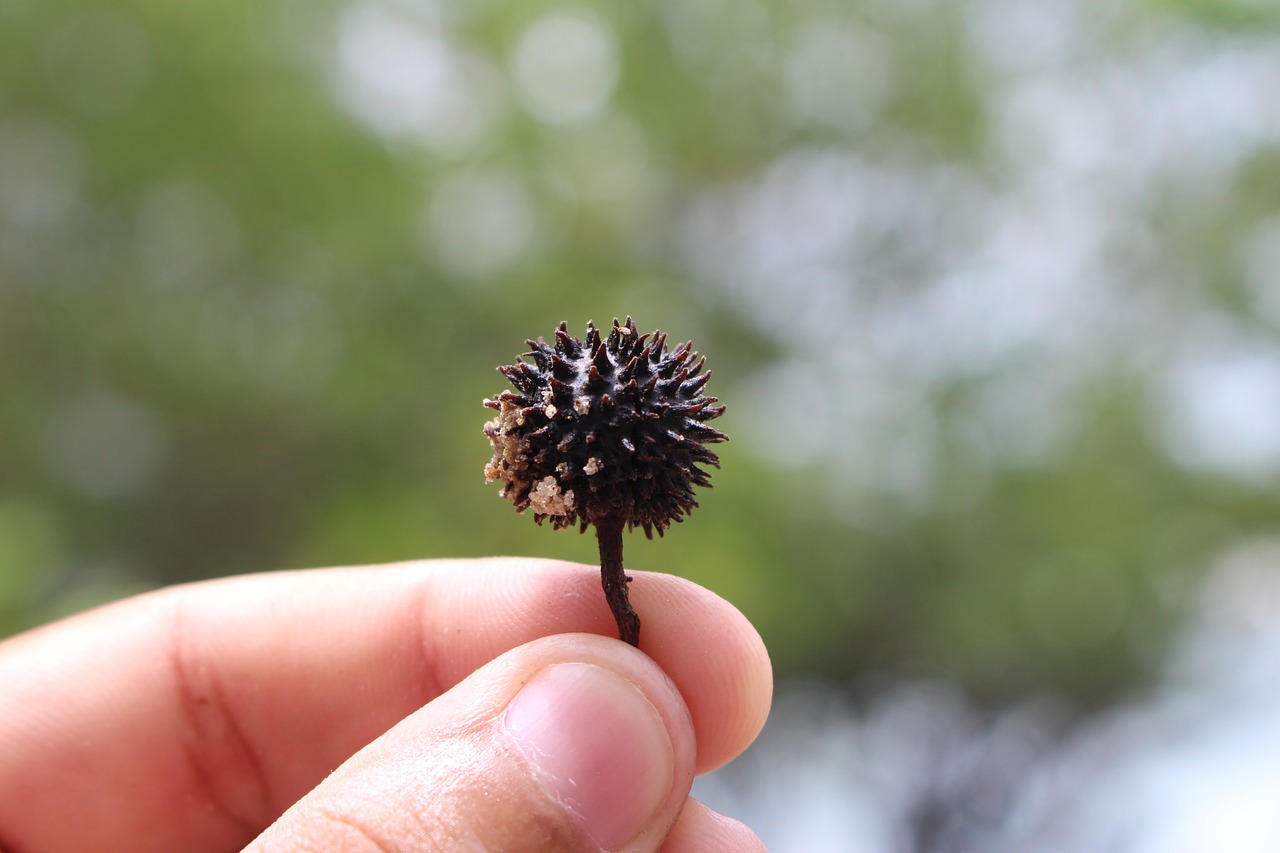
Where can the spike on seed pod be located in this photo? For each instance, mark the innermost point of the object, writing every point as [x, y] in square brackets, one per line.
[584, 443]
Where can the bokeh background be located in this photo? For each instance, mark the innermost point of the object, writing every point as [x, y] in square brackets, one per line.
[989, 287]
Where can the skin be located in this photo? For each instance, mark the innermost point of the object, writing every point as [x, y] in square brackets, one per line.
[368, 709]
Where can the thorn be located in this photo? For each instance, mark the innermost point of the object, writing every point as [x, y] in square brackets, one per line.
[600, 358]
[561, 368]
[564, 341]
[694, 385]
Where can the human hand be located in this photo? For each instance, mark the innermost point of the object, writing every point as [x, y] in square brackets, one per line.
[466, 705]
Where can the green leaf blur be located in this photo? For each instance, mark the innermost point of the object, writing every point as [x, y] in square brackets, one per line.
[258, 261]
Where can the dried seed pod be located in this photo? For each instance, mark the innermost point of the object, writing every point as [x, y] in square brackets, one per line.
[609, 431]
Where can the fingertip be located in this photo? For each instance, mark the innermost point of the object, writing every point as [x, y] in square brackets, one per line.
[701, 830]
[480, 608]
[717, 657]
[597, 745]
[570, 742]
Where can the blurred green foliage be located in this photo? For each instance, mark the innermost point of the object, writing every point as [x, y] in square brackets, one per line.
[258, 261]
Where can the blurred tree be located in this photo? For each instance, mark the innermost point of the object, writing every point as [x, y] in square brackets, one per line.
[989, 289]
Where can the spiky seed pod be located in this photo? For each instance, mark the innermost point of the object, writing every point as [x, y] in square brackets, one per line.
[608, 431]
[607, 427]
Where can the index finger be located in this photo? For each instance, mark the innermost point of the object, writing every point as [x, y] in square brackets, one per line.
[191, 717]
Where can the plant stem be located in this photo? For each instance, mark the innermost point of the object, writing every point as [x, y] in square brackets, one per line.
[615, 580]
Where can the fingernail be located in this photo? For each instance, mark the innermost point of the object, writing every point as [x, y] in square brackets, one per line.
[597, 746]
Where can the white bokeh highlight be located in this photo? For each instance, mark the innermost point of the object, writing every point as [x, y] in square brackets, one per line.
[565, 66]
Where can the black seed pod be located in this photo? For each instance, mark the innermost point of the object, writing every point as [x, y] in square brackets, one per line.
[608, 431]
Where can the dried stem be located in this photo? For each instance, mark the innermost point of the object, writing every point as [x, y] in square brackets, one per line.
[615, 580]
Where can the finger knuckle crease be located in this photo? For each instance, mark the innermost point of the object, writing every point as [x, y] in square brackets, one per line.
[224, 766]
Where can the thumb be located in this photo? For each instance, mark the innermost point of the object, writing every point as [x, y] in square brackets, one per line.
[573, 742]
